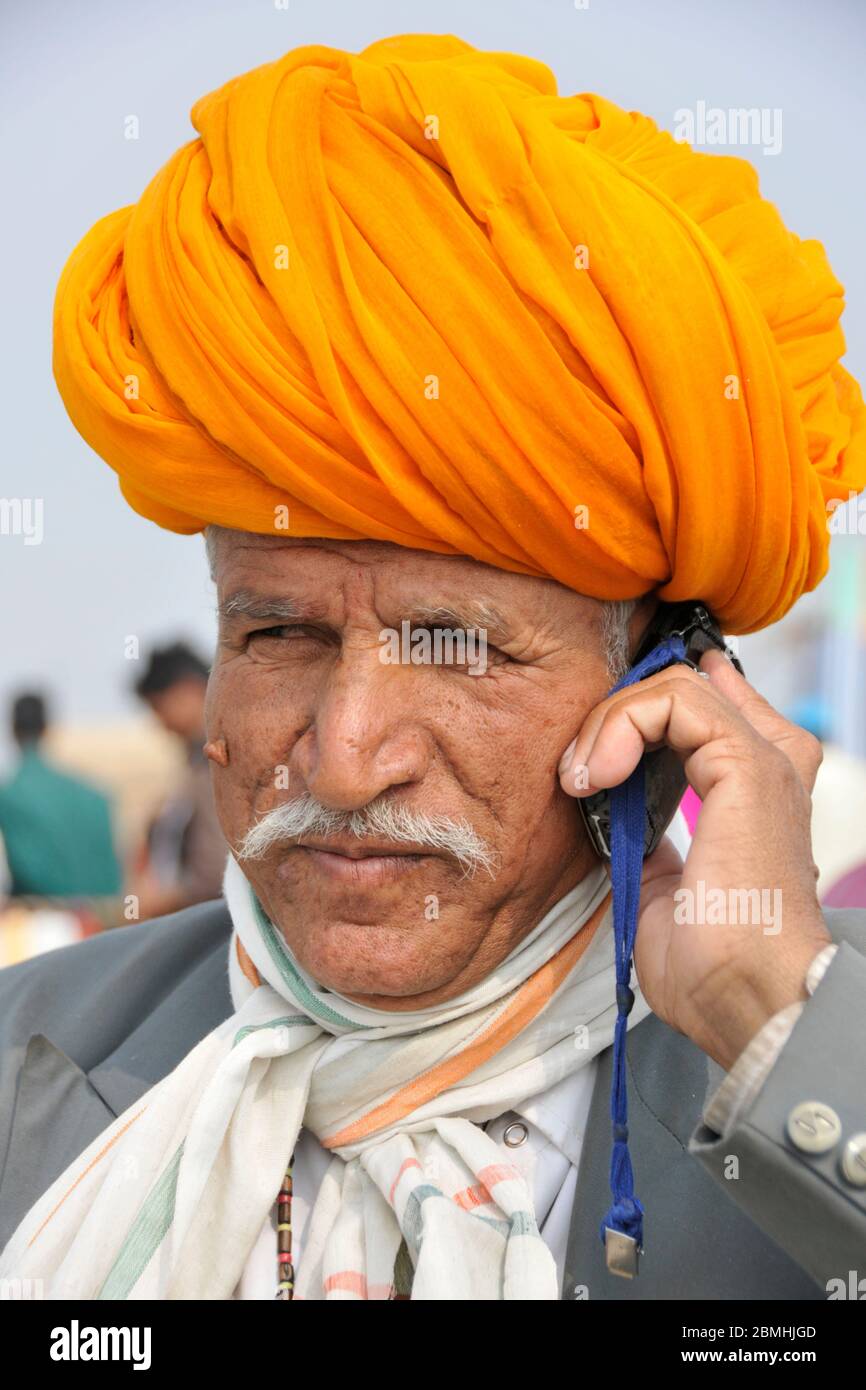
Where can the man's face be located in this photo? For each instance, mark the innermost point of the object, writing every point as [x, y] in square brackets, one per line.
[311, 704]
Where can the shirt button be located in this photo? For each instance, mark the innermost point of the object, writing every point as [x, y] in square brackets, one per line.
[814, 1127]
[515, 1134]
[854, 1161]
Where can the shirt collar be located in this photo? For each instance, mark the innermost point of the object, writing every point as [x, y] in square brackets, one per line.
[560, 1112]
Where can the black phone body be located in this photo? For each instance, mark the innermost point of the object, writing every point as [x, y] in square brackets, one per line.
[664, 779]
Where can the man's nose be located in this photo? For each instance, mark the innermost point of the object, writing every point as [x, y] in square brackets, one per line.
[364, 736]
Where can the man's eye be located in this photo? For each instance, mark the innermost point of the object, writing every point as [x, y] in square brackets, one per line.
[455, 649]
[282, 632]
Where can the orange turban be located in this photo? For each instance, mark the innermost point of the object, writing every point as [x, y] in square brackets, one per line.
[414, 295]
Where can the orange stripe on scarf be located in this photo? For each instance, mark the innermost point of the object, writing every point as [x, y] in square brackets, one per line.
[470, 1197]
[246, 964]
[407, 1163]
[82, 1176]
[530, 999]
[348, 1280]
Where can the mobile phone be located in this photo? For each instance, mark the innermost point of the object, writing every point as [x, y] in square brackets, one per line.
[665, 781]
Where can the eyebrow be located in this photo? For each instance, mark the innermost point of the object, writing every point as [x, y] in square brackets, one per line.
[469, 614]
[245, 603]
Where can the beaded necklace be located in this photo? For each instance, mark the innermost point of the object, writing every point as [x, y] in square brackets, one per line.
[285, 1268]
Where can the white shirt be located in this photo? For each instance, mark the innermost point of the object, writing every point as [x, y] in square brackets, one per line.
[554, 1124]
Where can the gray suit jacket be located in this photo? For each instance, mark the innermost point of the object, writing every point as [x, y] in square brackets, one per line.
[85, 1031]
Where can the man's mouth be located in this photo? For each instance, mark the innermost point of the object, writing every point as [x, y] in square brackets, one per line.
[363, 863]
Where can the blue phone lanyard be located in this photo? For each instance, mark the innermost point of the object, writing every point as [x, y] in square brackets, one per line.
[622, 1226]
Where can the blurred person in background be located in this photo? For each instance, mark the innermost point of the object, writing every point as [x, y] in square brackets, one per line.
[184, 858]
[56, 829]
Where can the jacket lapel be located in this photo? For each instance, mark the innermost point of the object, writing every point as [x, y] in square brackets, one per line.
[57, 1114]
[60, 1108]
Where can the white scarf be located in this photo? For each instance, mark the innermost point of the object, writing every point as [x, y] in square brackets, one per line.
[168, 1201]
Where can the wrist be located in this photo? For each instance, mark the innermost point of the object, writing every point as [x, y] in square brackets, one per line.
[736, 1003]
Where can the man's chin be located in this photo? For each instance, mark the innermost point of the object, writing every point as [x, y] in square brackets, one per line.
[373, 930]
[386, 965]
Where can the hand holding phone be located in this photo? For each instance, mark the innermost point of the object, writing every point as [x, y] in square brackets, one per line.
[713, 980]
[664, 778]
[716, 987]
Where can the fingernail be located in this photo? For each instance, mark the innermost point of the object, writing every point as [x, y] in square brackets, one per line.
[565, 760]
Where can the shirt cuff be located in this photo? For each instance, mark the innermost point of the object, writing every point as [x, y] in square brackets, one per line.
[754, 1064]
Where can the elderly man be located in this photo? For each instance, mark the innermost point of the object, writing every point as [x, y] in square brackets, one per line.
[424, 347]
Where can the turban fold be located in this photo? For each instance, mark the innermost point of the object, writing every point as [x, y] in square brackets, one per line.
[414, 295]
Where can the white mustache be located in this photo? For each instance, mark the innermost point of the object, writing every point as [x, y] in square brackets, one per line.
[304, 816]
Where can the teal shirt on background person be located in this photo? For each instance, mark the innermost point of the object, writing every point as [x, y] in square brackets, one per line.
[56, 833]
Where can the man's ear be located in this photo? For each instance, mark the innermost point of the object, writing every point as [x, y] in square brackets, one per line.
[644, 612]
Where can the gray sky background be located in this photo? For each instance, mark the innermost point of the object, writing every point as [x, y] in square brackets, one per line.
[72, 73]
